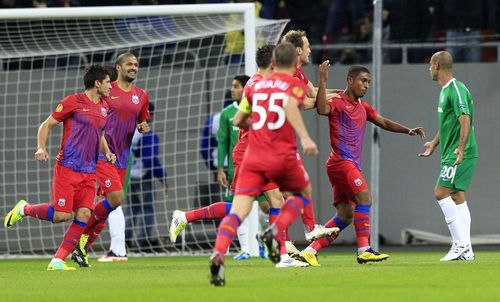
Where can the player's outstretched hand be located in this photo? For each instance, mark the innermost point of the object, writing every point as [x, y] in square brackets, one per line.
[143, 127]
[309, 147]
[460, 156]
[428, 149]
[323, 70]
[417, 131]
[41, 155]
[111, 157]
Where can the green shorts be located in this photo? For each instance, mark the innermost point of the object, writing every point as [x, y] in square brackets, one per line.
[457, 178]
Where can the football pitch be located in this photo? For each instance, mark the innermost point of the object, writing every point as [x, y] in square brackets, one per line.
[406, 276]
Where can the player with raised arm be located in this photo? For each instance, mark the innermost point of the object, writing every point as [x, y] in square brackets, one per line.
[347, 115]
[73, 186]
[270, 156]
[128, 110]
[458, 154]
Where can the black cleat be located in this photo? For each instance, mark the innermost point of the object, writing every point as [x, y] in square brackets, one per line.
[272, 245]
[79, 260]
[217, 270]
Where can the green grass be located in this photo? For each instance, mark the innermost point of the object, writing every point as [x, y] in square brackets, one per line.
[417, 276]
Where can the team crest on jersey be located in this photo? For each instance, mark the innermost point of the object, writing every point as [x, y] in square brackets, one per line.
[299, 92]
[135, 99]
[59, 108]
[358, 182]
[103, 112]
[107, 183]
[61, 202]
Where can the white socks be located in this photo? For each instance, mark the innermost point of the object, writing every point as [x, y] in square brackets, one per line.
[243, 234]
[464, 214]
[452, 218]
[116, 222]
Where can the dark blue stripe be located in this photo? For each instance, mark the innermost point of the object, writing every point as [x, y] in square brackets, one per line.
[235, 216]
[274, 211]
[362, 208]
[70, 242]
[226, 233]
[107, 206]
[304, 200]
[79, 223]
[228, 207]
[339, 223]
[50, 214]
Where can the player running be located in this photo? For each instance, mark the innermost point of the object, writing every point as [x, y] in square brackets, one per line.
[128, 110]
[270, 156]
[73, 185]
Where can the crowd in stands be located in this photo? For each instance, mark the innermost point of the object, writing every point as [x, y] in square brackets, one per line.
[350, 21]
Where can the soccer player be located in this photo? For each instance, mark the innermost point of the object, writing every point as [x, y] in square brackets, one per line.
[347, 115]
[128, 110]
[227, 138]
[299, 40]
[73, 186]
[270, 156]
[458, 154]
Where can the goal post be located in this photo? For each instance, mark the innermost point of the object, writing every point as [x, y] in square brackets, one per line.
[188, 55]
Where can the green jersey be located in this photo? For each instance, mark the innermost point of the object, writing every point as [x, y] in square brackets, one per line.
[455, 100]
[227, 137]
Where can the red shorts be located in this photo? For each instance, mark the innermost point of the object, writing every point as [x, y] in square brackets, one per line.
[256, 172]
[267, 187]
[110, 178]
[72, 190]
[346, 180]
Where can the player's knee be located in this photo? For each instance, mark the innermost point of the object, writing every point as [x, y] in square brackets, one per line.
[439, 193]
[61, 217]
[83, 214]
[264, 206]
[116, 199]
[364, 198]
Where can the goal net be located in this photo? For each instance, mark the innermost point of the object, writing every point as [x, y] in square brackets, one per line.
[188, 56]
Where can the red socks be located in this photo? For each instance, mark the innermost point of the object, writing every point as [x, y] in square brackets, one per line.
[216, 210]
[226, 233]
[42, 211]
[70, 239]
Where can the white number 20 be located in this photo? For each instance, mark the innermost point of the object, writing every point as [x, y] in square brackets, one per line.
[261, 110]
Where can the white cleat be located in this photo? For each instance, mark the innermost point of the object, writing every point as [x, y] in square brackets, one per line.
[456, 252]
[177, 225]
[291, 250]
[320, 231]
[290, 262]
[468, 255]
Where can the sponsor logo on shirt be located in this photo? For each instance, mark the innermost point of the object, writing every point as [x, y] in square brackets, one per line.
[103, 112]
[114, 97]
[358, 182]
[59, 108]
[61, 202]
[299, 92]
[135, 99]
[85, 109]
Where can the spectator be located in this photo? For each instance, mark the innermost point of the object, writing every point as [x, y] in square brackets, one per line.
[463, 21]
[140, 213]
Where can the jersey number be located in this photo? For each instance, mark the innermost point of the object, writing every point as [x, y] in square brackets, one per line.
[261, 110]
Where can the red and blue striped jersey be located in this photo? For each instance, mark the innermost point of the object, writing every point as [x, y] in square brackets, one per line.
[126, 109]
[83, 123]
[347, 127]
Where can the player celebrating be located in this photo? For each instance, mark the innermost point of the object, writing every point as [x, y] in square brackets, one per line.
[458, 154]
[73, 186]
[347, 116]
[270, 155]
[128, 110]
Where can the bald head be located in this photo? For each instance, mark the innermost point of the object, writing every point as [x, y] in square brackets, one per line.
[443, 59]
